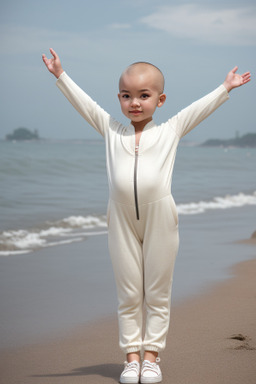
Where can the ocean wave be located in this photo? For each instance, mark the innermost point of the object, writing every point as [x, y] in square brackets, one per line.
[87, 222]
[65, 231]
[78, 228]
[229, 201]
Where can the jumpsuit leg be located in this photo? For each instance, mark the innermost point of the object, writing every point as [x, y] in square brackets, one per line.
[161, 242]
[125, 250]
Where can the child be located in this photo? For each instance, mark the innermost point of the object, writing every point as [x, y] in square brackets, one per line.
[142, 218]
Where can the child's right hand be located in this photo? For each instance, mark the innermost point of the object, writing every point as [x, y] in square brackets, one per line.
[53, 64]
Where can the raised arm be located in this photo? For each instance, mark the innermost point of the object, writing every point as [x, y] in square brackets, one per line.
[53, 64]
[191, 116]
[88, 109]
[234, 80]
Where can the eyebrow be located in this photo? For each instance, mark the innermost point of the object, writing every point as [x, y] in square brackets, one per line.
[140, 90]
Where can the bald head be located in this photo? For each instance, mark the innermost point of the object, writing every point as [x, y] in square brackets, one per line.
[141, 69]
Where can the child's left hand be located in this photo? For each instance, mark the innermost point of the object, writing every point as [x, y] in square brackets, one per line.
[234, 80]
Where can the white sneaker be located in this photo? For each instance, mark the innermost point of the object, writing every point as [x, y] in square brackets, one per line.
[131, 373]
[150, 372]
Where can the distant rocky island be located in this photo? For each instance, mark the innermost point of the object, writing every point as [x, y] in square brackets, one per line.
[245, 141]
[22, 134]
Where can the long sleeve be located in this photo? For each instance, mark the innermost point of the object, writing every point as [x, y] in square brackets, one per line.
[190, 117]
[88, 109]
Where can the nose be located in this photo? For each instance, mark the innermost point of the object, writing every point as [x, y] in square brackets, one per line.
[135, 102]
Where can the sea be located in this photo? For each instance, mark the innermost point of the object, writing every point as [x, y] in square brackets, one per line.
[54, 195]
[56, 192]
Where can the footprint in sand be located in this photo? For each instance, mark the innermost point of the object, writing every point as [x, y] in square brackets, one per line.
[245, 342]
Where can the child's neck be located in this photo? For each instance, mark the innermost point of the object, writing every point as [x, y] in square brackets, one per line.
[139, 126]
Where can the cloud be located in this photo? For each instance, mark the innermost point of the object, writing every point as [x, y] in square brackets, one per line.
[218, 26]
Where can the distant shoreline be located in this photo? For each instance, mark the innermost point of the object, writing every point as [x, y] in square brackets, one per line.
[246, 141]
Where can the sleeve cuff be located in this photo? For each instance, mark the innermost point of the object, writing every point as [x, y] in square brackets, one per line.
[61, 76]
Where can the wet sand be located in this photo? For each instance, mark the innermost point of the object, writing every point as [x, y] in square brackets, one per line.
[212, 339]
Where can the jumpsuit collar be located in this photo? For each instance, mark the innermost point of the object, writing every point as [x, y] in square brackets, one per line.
[146, 140]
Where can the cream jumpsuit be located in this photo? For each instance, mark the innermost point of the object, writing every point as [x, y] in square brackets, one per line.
[142, 218]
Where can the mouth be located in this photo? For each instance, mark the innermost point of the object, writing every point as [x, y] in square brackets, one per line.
[135, 113]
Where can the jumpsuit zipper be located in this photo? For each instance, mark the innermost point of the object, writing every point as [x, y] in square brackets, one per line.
[135, 182]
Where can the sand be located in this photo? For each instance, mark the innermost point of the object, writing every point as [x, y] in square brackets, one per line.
[212, 340]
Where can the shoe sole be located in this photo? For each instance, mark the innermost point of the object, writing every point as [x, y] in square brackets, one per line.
[151, 380]
[129, 380]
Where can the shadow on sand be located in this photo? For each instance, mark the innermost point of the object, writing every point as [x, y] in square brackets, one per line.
[105, 370]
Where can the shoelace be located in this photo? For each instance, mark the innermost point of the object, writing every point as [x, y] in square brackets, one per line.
[133, 366]
[147, 365]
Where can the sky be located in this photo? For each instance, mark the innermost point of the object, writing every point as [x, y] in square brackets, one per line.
[194, 43]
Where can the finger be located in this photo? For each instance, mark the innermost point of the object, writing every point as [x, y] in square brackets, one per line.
[53, 53]
[246, 79]
[44, 58]
[246, 76]
[234, 69]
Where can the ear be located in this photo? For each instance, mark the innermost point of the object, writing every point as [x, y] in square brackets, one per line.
[161, 100]
[119, 96]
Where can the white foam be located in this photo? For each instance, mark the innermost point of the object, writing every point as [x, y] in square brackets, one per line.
[63, 242]
[54, 231]
[87, 222]
[21, 239]
[229, 201]
[96, 233]
[72, 229]
[9, 253]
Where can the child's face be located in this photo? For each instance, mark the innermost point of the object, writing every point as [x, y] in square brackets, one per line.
[140, 96]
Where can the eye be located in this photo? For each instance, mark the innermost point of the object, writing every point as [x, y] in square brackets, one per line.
[125, 96]
[145, 96]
